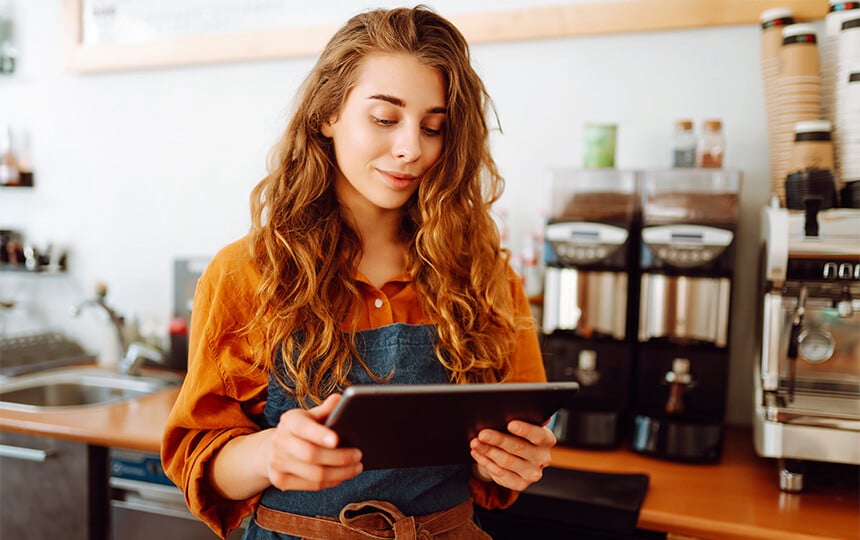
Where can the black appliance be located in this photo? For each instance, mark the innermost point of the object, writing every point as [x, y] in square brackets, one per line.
[588, 311]
[688, 238]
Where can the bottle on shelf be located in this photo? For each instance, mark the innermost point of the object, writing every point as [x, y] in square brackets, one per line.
[8, 163]
[531, 266]
[8, 50]
[24, 161]
[683, 144]
[711, 145]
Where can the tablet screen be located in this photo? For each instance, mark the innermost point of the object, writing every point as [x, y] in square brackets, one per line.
[412, 425]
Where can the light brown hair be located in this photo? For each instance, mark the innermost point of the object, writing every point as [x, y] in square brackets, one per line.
[307, 254]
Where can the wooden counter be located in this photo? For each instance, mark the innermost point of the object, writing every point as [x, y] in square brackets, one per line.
[736, 498]
[136, 424]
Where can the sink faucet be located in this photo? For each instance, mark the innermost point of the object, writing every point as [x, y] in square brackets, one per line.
[116, 319]
[132, 355]
[136, 355]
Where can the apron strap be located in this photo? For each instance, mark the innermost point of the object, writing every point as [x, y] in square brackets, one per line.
[367, 520]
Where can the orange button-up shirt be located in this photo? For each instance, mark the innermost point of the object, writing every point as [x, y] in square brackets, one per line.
[223, 395]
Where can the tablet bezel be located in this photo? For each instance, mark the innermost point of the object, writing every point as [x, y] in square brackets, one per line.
[410, 425]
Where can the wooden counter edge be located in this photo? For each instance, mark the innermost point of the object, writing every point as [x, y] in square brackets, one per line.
[658, 513]
[686, 526]
[135, 424]
[42, 429]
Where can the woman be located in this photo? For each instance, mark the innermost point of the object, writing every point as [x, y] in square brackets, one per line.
[372, 258]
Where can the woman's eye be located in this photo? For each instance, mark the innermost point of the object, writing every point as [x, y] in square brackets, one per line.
[383, 121]
[432, 132]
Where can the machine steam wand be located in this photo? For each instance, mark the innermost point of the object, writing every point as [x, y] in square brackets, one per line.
[794, 339]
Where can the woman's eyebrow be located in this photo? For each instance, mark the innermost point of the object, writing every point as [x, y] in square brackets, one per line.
[396, 101]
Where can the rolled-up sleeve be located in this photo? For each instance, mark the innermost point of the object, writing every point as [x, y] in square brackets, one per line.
[222, 393]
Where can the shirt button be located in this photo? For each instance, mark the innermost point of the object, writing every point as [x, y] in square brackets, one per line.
[378, 302]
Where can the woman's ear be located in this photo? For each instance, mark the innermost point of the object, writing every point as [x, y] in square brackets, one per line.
[326, 128]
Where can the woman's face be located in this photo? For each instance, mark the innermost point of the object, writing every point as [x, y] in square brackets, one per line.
[388, 132]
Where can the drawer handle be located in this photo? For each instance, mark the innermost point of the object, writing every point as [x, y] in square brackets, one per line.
[27, 454]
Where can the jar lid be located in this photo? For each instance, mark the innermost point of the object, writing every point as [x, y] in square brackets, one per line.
[777, 13]
[811, 126]
[798, 29]
[712, 125]
[684, 123]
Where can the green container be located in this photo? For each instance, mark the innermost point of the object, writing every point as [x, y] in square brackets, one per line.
[600, 146]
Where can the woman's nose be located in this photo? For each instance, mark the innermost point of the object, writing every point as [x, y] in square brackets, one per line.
[407, 143]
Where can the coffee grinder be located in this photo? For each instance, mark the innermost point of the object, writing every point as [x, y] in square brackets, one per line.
[688, 237]
[588, 320]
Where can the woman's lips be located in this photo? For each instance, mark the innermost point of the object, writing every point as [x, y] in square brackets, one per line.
[397, 180]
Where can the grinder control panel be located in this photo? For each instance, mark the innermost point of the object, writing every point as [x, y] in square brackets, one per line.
[582, 242]
[687, 246]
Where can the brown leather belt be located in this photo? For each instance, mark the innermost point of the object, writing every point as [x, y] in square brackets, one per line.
[371, 520]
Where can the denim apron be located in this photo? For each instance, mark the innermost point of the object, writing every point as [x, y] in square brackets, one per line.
[407, 353]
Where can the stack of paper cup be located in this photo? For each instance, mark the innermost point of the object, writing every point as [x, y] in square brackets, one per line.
[846, 118]
[828, 47]
[797, 96]
[772, 23]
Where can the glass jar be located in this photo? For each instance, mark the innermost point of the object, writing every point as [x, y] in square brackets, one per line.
[8, 162]
[710, 148]
[684, 144]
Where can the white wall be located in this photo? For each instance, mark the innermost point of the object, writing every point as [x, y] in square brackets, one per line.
[134, 169]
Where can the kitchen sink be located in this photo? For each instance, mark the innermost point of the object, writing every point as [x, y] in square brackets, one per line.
[78, 387]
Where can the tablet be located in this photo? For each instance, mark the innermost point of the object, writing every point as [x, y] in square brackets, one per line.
[411, 425]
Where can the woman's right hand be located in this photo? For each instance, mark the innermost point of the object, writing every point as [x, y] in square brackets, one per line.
[303, 452]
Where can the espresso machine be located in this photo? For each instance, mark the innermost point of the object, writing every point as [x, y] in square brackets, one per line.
[688, 238]
[807, 383]
[591, 240]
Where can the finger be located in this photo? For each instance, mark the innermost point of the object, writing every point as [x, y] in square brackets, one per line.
[538, 435]
[501, 475]
[321, 411]
[526, 440]
[506, 442]
[514, 461]
[513, 453]
[307, 452]
[313, 478]
[306, 425]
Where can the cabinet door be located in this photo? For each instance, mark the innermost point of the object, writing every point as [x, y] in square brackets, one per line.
[44, 489]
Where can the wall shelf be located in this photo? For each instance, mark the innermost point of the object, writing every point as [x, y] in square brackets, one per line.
[554, 19]
[18, 269]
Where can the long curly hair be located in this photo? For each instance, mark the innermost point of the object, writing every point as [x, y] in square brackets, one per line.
[307, 254]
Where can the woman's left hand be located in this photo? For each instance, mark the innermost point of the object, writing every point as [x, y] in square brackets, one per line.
[515, 459]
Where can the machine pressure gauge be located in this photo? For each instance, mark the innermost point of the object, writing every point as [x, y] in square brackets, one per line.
[815, 346]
